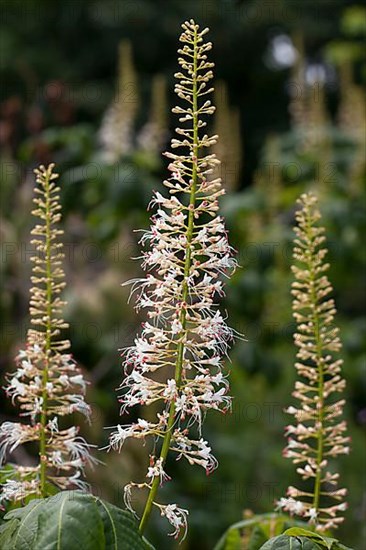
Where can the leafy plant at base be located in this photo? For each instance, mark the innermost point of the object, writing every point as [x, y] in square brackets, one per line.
[71, 520]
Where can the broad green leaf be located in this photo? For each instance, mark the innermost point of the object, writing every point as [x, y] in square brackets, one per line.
[120, 529]
[20, 513]
[23, 538]
[308, 544]
[70, 521]
[299, 532]
[324, 542]
[284, 542]
[7, 531]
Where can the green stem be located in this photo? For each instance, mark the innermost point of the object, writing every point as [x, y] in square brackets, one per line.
[47, 348]
[318, 343]
[184, 297]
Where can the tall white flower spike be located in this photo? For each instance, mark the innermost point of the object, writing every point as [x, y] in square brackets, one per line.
[318, 435]
[47, 384]
[185, 337]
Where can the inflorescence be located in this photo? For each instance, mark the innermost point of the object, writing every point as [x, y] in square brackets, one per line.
[177, 359]
[319, 434]
[47, 384]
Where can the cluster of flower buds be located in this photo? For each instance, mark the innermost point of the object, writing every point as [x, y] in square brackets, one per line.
[176, 360]
[47, 383]
[318, 435]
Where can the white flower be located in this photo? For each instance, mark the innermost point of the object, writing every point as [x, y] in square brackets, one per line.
[16, 388]
[312, 514]
[53, 424]
[156, 470]
[177, 517]
[78, 380]
[78, 449]
[143, 423]
[64, 379]
[171, 389]
[291, 505]
[27, 366]
[56, 458]
[176, 326]
[18, 490]
[117, 439]
[13, 434]
[79, 405]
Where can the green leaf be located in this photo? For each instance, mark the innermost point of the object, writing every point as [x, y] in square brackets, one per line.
[299, 532]
[120, 528]
[284, 542]
[257, 538]
[323, 542]
[27, 520]
[70, 521]
[7, 531]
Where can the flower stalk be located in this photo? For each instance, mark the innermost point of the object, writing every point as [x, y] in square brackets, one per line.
[184, 290]
[319, 435]
[47, 384]
[187, 337]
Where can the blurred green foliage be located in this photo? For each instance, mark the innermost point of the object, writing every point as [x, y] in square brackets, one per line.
[58, 67]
